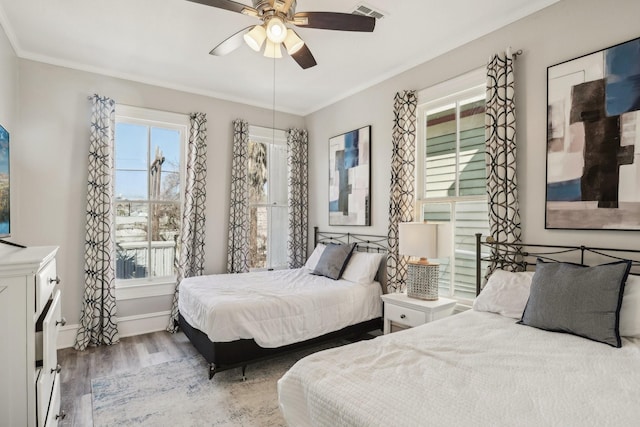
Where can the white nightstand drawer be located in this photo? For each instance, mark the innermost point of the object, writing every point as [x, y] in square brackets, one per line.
[401, 310]
[403, 315]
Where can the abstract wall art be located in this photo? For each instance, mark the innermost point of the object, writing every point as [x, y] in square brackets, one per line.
[350, 178]
[593, 141]
[5, 211]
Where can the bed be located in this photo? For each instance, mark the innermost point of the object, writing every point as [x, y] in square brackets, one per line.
[238, 319]
[481, 367]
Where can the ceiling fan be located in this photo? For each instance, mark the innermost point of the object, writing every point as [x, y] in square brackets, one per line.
[273, 32]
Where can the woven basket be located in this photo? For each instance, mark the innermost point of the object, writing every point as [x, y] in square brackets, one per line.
[422, 281]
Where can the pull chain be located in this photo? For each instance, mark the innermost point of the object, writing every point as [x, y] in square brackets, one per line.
[273, 117]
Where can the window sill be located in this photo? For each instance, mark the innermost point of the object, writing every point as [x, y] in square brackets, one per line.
[144, 289]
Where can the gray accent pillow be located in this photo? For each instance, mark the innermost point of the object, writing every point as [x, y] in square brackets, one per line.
[579, 300]
[334, 260]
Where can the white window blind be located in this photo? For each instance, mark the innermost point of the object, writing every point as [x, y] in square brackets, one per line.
[268, 208]
[451, 178]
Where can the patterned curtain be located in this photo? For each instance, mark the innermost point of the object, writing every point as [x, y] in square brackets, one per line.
[191, 240]
[98, 321]
[298, 196]
[500, 124]
[238, 246]
[401, 203]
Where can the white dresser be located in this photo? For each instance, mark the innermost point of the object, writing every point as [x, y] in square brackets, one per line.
[31, 318]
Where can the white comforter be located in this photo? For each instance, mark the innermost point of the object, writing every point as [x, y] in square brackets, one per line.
[275, 308]
[471, 369]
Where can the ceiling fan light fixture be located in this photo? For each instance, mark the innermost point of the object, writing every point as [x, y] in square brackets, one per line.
[276, 16]
[272, 50]
[276, 30]
[255, 38]
[292, 42]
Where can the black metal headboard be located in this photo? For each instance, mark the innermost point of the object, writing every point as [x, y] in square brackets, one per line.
[523, 256]
[365, 242]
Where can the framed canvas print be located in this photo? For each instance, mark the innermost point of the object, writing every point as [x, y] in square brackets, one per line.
[5, 211]
[593, 141]
[350, 178]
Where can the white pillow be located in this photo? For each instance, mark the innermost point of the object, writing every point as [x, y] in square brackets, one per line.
[630, 310]
[362, 267]
[505, 293]
[312, 261]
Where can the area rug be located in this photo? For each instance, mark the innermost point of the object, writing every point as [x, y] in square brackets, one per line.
[179, 393]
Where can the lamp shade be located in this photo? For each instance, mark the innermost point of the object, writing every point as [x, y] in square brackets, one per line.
[272, 50]
[276, 30]
[293, 43]
[255, 37]
[418, 239]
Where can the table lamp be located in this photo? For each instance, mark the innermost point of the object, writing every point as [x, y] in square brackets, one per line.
[423, 240]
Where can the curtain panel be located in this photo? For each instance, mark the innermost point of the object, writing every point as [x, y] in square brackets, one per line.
[402, 192]
[238, 245]
[190, 244]
[98, 321]
[298, 196]
[500, 126]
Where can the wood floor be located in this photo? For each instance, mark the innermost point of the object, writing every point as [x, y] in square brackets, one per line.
[130, 354]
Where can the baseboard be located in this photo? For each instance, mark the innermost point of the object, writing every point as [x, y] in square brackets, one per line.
[127, 327]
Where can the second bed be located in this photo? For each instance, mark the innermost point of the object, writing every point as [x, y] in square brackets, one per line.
[237, 319]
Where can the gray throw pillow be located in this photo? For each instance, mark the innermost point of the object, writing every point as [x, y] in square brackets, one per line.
[576, 299]
[334, 260]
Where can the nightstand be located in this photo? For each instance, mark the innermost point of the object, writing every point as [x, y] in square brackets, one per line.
[410, 312]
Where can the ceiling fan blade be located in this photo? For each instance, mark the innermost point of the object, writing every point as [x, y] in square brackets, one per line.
[229, 5]
[334, 21]
[304, 58]
[230, 44]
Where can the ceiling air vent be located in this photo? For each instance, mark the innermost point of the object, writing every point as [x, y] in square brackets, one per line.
[367, 10]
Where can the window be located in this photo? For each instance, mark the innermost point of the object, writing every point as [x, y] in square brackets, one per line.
[452, 174]
[149, 178]
[268, 207]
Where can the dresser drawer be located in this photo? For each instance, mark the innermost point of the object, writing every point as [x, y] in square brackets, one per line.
[44, 386]
[46, 280]
[48, 374]
[55, 413]
[403, 315]
[50, 328]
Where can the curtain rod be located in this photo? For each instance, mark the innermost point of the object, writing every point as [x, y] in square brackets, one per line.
[90, 97]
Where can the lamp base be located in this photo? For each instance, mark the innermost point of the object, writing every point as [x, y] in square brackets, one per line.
[422, 281]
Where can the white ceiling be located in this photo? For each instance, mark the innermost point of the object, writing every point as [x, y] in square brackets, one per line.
[166, 43]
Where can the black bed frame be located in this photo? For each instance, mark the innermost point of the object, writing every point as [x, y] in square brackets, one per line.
[523, 256]
[227, 355]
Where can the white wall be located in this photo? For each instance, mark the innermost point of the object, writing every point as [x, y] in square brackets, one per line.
[566, 30]
[8, 83]
[50, 162]
[46, 109]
